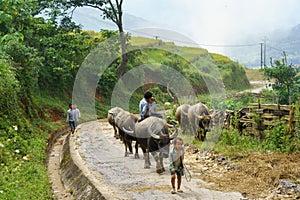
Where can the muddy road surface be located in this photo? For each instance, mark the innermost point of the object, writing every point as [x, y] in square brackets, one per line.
[105, 155]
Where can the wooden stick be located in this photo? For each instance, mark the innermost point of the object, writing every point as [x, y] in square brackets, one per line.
[291, 119]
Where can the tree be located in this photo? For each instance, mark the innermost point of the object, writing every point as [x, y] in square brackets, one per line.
[286, 79]
[110, 10]
[43, 54]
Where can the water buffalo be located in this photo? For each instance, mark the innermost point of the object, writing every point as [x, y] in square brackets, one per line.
[112, 113]
[181, 115]
[153, 136]
[219, 118]
[200, 120]
[125, 120]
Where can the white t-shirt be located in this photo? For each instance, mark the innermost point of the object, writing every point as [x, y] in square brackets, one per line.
[152, 108]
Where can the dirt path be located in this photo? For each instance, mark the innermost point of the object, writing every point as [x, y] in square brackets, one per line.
[259, 86]
[105, 155]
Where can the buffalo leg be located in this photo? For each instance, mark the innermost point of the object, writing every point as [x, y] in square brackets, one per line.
[162, 163]
[182, 127]
[129, 145]
[147, 151]
[197, 135]
[116, 132]
[121, 135]
[194, 131]
[136, 155]
[203, 136]
[146, 157]
[126, 152]
[158, 165]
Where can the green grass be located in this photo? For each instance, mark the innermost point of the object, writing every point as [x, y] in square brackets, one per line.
[191, 53]
[218, 58]
[143, 42]
[23, 171]
[255, 75]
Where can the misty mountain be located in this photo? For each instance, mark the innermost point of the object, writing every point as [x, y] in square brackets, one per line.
[91, 19]
[287, 40]
[249, 54]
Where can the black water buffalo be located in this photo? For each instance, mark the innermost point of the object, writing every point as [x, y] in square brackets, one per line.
[153, 136]
[112, 113]
[125, 120]
[181, 115]
[200, 120]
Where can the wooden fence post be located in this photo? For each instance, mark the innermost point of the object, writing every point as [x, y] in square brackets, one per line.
[291, 120]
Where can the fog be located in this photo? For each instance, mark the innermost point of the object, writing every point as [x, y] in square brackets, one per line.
[215, 23]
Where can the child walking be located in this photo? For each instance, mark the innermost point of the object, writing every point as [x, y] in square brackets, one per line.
[176, 158]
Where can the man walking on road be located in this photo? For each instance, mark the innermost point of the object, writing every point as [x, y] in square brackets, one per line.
[71, 118]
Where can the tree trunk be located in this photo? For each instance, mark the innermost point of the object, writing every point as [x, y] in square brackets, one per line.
[122, 66]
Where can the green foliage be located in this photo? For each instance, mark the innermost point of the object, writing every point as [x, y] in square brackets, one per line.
[232, 138]
[278, 139]
[220, 59]
[233, 103]
[234, 76]
[286, 80]
[275, 139]
[23, 174]
[9, 87]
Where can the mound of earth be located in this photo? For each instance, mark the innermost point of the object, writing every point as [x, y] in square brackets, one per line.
[267, 176]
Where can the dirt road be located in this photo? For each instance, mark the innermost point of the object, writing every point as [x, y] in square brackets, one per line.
[259, 86]
[105, 155]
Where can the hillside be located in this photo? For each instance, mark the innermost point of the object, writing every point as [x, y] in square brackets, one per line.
[208, 64]
[90, 19]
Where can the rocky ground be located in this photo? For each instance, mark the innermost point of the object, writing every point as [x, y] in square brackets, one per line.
[269, 176]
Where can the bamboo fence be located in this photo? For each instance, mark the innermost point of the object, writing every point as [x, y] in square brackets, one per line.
[257, 117]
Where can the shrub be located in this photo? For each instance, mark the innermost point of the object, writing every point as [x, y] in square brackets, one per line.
[277, 139]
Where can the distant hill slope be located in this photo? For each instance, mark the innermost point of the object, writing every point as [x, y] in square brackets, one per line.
[209, 64]
[90, 19]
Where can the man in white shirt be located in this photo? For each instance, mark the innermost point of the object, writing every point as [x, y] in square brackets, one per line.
[144, 106]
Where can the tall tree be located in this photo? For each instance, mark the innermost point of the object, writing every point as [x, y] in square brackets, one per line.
[286, 79]
[111, 10]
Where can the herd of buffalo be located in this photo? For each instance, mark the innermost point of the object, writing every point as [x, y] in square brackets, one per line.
[153, 135]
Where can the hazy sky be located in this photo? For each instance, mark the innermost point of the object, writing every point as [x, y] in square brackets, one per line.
[218, 21]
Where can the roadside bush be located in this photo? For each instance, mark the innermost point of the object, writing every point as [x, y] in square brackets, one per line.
[9, 87]
[277, 139]
[234, 138]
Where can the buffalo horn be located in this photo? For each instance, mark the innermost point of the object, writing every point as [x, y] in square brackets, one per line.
[175, 133]
[152, 133]
[200, 117]
[213, 114]
[131, 132]
[155, 136]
